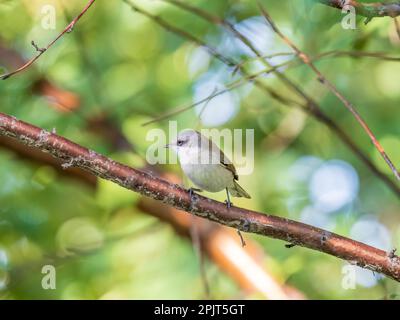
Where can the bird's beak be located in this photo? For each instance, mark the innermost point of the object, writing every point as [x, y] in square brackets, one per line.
[170, 145]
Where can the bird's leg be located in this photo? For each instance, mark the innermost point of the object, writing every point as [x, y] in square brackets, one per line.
[229, 205]
[193, 190]
[192, 193]
[228, 200]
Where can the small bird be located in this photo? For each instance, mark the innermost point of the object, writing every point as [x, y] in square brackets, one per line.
[206, 165]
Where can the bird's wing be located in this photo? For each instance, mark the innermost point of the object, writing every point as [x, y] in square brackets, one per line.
[223, 159]
[227, 164]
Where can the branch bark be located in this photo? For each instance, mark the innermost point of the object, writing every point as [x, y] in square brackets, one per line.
[245, 220]
[369, 10]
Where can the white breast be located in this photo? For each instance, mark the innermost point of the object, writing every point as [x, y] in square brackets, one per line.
[209, 177]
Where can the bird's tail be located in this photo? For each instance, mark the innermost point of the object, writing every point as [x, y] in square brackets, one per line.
[238, 191]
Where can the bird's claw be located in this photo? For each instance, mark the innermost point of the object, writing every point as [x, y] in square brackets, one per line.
[228, 204]
[192, 191]
[193, 196]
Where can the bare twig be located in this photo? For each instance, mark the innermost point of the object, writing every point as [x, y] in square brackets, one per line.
[335, 53]
[181, 32]
[397, 26]
[368, 10]
[310, 106]
[41, 51]
[229, 87]
[245, 220]
[349, 106]
[89, 62]
[356, 54]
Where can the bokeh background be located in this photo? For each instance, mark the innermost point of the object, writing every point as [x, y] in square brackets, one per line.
[117, 70]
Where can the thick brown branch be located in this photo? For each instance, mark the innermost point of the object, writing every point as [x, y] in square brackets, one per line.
[173, 195]
[41, 51]
[35, 155]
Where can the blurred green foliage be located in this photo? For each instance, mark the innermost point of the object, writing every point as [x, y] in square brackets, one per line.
[124, 66]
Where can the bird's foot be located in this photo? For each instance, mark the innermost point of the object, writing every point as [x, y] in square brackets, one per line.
[193, 196]
[228, 203]
[192, 191]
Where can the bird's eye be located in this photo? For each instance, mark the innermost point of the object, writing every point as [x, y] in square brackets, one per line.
[180, 142]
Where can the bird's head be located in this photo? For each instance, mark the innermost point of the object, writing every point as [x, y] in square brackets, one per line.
[186, 139]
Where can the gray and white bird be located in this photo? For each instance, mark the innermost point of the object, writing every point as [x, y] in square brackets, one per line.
[206, 165]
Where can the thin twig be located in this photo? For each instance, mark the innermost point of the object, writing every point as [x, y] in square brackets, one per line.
[397, 26]
[204, 107]
[332, 53]
[229, 87]
[94, 74]
[356, 54]
[146, 184]
[180, 32]
[368, 10]
[41, 51]
[349, 106]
